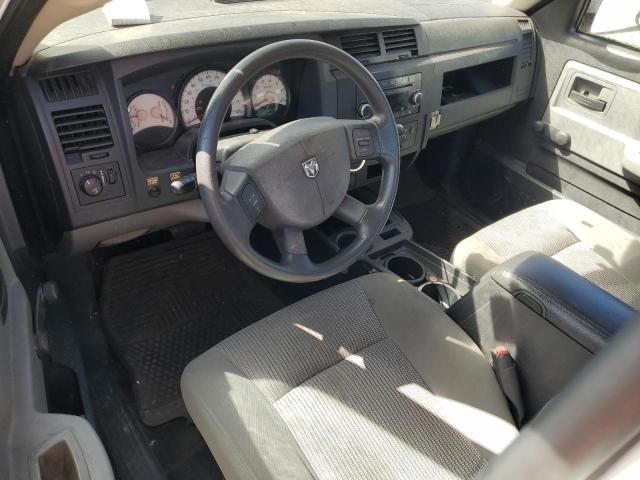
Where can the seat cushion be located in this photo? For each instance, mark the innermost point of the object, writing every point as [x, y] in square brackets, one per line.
[577, 237]
[369, 379]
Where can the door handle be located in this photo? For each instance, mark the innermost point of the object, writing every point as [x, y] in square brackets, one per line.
[587, 101]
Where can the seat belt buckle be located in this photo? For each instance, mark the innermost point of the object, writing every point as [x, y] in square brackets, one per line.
[506, 372]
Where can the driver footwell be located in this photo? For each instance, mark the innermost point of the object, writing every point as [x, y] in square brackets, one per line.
[438, 225]
[165, 305]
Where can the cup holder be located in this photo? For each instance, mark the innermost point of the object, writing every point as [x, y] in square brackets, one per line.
[441, 292]
[406, 268]
[344, 239]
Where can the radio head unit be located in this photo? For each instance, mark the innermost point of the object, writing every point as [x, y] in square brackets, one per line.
[403, 93]
[405, 98]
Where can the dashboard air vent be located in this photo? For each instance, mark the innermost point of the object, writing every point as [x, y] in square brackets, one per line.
[525, 25]
[527, 49]
[361, 45]
[65, 87]
[82, 129]
[398, 41]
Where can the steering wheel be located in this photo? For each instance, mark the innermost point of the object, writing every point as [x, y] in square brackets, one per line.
[296, 176]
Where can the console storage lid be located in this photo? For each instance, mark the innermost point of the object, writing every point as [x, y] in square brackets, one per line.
[573, 304]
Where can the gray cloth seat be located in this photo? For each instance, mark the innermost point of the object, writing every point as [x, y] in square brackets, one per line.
[369, 379]
[575, 236]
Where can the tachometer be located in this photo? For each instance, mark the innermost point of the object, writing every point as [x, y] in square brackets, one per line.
[153, 120]
[196, 93]
[269, 96]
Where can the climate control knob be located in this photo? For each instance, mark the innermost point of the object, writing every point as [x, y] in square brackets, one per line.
[416, 98]
[365, 110]
[91, 185]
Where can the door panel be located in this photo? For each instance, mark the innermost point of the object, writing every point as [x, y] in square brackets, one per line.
[33, 443]
[598, 112]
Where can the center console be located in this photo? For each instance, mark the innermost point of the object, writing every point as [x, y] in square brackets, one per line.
[551, 319]
[394, 251]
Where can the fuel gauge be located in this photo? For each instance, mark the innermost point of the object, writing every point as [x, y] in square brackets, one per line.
[269, 97]
[153, 119]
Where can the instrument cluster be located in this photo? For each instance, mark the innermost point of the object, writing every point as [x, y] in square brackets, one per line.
[156, 119]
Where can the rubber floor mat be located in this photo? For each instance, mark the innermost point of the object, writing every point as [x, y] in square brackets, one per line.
[165, 305]
[438, 226]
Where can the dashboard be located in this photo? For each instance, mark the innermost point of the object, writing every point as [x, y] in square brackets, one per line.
[109, 122]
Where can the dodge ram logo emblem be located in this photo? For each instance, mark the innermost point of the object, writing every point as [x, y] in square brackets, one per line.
[311, 167]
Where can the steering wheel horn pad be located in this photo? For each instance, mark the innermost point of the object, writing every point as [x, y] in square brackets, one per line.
[301, 170]
[296, 176]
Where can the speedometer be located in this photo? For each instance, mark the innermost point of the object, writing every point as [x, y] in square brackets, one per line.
[269, 97]
[196, 93]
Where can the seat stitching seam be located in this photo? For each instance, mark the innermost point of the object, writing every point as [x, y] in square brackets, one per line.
[412, 365]
[485, 244]
[364, 293]
[328, 367]
[479, 238]
[568, 246]
[483, 463]
[301, 453]
[306, 380]
[225, 432]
